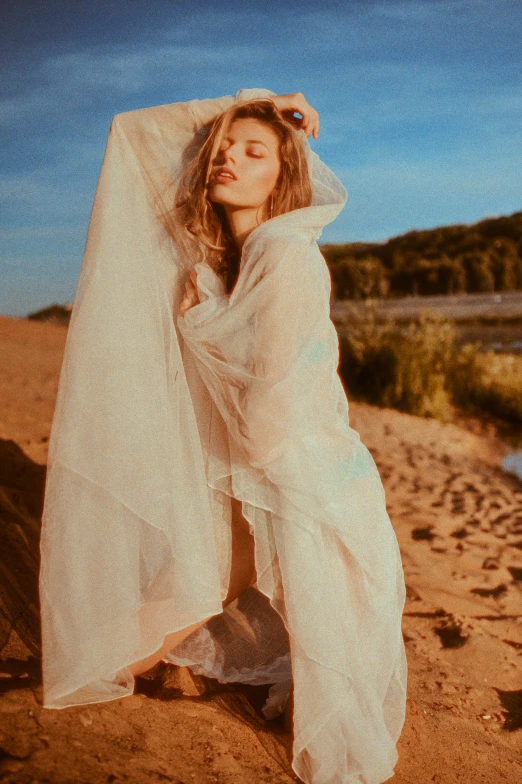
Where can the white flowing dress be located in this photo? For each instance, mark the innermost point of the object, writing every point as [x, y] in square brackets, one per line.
[161, 419]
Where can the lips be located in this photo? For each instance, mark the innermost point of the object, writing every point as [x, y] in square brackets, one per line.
[224, 174]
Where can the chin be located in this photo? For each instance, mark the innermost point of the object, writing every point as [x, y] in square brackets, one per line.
[217, 193]
[222, 199]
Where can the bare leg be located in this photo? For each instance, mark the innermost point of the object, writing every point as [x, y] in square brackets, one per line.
[289, 711]
[242, 576]
[170, 642]
[243, 570]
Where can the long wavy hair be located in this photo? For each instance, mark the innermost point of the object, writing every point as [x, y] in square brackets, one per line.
[206, 220]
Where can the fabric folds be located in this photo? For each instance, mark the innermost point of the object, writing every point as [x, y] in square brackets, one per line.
[326, 553]
[161, 419]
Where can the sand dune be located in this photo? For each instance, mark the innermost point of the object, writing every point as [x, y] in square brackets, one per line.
[458, 518]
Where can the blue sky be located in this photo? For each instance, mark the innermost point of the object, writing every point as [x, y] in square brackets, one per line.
[420, 104]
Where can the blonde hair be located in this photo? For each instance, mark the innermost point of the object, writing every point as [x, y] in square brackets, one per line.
[205, 219]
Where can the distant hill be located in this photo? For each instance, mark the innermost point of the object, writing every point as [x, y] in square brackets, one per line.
[483, 257]
[56, 314]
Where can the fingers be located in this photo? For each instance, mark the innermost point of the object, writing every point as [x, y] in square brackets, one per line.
[310, 121]
[296, 102]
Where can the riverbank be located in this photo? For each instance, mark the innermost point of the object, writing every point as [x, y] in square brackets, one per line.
[491, 320]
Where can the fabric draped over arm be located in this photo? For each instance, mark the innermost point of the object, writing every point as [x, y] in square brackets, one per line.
[268, 354]
[260, 340]
[127, 554]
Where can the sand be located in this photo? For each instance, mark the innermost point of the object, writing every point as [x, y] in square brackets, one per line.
[458, 519]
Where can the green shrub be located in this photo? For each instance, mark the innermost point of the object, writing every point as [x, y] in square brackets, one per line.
[488, 381]
[418, 369]
[399, 368]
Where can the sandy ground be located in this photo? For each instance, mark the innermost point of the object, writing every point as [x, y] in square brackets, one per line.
[458, 519]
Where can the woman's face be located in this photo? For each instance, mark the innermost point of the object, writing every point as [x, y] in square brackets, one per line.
[250, 153]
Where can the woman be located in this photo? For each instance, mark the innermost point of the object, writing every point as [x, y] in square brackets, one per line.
[236, 171]
[182, 478]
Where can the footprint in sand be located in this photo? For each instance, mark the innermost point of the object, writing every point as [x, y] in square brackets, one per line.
[451, 631]
[495, 592]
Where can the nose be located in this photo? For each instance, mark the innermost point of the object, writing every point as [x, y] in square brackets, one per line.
[227, 155]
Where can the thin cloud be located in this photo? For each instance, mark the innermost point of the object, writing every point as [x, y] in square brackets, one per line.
[69, 80]
[386, 199]
[13, 261]
[131, 71]
[38, 233]
[23, 188]
[51, 265]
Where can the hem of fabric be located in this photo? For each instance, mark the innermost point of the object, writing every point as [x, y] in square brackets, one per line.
[56, 706]
[123, 669]
[373, 775]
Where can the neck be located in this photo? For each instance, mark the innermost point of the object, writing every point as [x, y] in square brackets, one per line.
[241, 222]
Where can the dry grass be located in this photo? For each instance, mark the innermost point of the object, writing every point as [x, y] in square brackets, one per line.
[420, 370]
[489, 381]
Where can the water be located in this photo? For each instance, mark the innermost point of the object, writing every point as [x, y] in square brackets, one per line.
[512, 462]
[501, 338]
[493, 320]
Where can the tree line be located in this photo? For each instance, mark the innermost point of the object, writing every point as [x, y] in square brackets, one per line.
[483, 257]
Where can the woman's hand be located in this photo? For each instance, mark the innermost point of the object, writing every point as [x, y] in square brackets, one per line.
[191, 294]
[296, 102]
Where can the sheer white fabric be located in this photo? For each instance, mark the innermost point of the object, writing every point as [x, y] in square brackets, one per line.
[161, 419]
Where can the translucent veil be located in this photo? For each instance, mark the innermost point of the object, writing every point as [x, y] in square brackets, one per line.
[160, 420]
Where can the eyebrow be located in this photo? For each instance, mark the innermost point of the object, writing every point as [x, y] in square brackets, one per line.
[250, 141]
